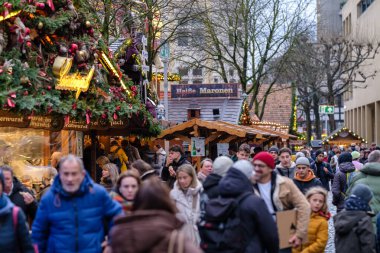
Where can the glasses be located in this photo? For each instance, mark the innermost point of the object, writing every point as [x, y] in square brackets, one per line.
[261, 166]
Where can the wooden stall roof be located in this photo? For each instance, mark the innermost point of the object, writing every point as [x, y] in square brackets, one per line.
[343, 134]
[220, 126]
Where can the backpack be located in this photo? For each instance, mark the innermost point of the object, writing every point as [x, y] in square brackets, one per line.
[220, 226]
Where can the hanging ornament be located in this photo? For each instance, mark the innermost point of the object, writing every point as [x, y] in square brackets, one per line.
[40, 25]
[26, 93]
[90, 32]
[39, 5]
[88, 24]
[24, 80]
[88, 116]
[115, 116]
[63, 50]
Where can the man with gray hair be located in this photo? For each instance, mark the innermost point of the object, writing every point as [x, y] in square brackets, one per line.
[71, 215]
[220, 168]
[369, 175]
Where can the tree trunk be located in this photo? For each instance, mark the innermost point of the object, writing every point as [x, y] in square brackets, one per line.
[307, 109]
[317, 122]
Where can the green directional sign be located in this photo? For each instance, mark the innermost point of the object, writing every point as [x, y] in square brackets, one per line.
[326, 109]
[165, 51]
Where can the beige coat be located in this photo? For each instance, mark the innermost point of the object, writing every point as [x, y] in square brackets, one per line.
[287, 196]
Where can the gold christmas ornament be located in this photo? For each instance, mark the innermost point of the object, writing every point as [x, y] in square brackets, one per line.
[88, 24]
[40, 25]
[24, 80]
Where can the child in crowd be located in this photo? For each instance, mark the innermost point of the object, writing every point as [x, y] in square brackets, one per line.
[318, 225]
[353, 227]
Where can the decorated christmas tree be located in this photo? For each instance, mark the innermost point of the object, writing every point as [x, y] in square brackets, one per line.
[245, 117]
[53, 61]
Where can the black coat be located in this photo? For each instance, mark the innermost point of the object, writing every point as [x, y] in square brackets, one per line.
[258, 224]
[322, 175]
[17, 199]
[304, 186]
[210, 185]
[339, 186]
[165, 175]
[354, 232]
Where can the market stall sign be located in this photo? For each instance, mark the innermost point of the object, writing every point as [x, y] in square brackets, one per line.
[76, 125]
[8, 119]
[53, 123]
[229, 90]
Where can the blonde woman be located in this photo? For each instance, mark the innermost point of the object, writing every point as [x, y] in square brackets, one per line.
[186, 195]
[110, 175]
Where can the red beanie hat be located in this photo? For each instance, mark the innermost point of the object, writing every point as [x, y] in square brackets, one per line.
[266, 158]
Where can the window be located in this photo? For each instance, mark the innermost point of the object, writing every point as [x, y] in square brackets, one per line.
[363, 6]
[183, 71]
[215, 112]
[197, 72]
[231, 72]
[216, 80]
[192, 113]
[183, 41]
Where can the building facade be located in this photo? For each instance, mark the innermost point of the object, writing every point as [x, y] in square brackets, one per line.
[329, 19]
[360, 19]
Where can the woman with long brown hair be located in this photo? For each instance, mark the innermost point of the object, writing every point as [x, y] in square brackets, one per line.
[126, 188]
[152, 223]
[110, 175]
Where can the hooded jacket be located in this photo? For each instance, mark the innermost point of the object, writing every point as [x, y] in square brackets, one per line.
[317, 234]
[260, 229]
[188, 204]
[67, 223]
[120, 153]
[210, 185]
[13, 239]
[339, 186]
[165, 175]
[370, 176]
[146, 231]
[286, 172]
[353, 232]
[305, 184]
[17, 199]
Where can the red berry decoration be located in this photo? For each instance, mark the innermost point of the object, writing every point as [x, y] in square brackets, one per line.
[26, 93]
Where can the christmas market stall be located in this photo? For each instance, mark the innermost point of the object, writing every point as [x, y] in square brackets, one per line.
[213, 138]
[344, 138]
[59, 82]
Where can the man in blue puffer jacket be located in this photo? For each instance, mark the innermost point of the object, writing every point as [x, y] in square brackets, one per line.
[71, 214]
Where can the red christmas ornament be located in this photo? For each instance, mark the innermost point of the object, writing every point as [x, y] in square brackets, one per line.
[43, 93]
[40, 5]
[11, 103]
[29, 44]
[48, 87]
[90, 31]
[118, 108]
[74, 106]
[26, 93]
[115, 116]
[7, 5]
[104, 116]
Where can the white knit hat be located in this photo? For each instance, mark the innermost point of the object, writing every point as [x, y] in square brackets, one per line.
[221, 165]
[245, 167]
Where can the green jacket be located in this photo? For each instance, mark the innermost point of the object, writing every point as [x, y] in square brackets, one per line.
[370, 176]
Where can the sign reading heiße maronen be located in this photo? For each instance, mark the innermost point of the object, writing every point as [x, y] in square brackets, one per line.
[205, 90]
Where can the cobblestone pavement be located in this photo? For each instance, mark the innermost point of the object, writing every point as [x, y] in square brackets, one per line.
[330, 248]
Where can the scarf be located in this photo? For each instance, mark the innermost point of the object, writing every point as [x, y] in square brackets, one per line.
[354, 203]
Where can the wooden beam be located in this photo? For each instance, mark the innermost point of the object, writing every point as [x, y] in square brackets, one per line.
[213, 137]
[229, 139]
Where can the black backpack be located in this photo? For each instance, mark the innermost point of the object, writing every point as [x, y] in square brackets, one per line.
[220, 226]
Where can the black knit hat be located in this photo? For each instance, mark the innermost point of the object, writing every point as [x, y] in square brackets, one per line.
[345, 157]
[274, 149]
[319, 151]
[362, 191]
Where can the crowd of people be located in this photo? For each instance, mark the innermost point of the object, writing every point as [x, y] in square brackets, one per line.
[230, 204]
